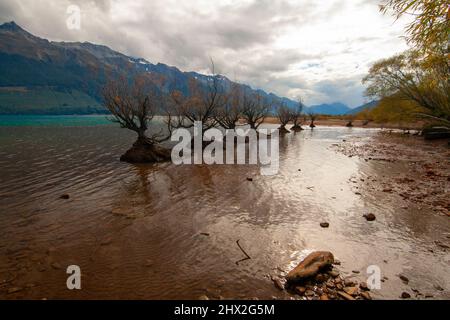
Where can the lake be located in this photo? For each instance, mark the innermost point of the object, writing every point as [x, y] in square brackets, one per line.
[169, 232]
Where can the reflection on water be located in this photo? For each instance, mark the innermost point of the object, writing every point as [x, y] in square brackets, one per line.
[164, 231]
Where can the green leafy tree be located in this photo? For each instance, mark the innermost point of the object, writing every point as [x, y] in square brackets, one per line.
[408, 76]
[429, 29]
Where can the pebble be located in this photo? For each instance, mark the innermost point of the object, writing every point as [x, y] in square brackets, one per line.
[324, 224]
[348, 283]
[405, 295]
[65, 197]
[364, 286]
[403, 278]
[366, 295]
[300, 290]
[369, 216]
[353, 291]
[333, 273]
[345, 295]
[309, 293]
[278, 284]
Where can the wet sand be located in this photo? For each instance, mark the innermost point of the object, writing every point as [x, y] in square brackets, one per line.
[169, 232]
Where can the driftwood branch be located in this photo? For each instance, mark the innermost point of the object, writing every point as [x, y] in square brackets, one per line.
[243, 251]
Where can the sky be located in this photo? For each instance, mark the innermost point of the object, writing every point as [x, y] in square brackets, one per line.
[318, 50]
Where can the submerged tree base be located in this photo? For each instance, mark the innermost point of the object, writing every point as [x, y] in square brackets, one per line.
[297, 128]
[283, 130]
[146, 152]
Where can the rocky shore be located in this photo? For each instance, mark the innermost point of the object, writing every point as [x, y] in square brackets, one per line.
[425, 168]
[317, 277]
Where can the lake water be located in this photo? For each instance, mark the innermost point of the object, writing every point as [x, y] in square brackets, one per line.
[169, 232]
[53, 121]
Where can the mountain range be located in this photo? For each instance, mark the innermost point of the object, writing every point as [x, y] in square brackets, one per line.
[336, 108]
[38, 76]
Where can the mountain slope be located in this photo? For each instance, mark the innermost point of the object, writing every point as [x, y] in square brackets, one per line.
[336, 108]
[369, 105]
[39, 76]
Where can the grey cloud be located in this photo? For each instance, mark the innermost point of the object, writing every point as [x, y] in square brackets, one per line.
[241, 37]
[348, 90]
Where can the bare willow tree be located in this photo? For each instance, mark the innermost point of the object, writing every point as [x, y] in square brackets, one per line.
[133, 105]
[284, 115]
[200, 105]
[297, 116]
[230, 113]
[254, 109]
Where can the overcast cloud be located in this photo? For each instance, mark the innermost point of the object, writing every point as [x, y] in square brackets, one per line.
[317, 49]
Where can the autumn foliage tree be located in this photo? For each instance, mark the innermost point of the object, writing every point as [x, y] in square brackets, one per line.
[428, 30]
[406, 77]
[418, 77]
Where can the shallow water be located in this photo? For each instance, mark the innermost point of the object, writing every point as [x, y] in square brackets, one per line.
[169, 232]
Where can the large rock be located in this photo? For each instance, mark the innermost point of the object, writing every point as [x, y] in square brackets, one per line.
[311, 265]
[142, 152]
[434, 133]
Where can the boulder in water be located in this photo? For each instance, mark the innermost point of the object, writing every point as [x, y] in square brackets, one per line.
[311, 265]
[434, 133]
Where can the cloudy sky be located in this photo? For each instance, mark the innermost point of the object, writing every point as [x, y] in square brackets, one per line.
[316, 49]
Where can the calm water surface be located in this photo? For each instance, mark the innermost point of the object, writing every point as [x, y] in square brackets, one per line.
[138, 232]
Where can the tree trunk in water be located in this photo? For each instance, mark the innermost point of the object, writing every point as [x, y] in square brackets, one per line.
[297, 127]
[283, 129]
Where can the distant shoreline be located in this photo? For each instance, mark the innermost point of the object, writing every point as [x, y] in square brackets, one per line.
[338, 121]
